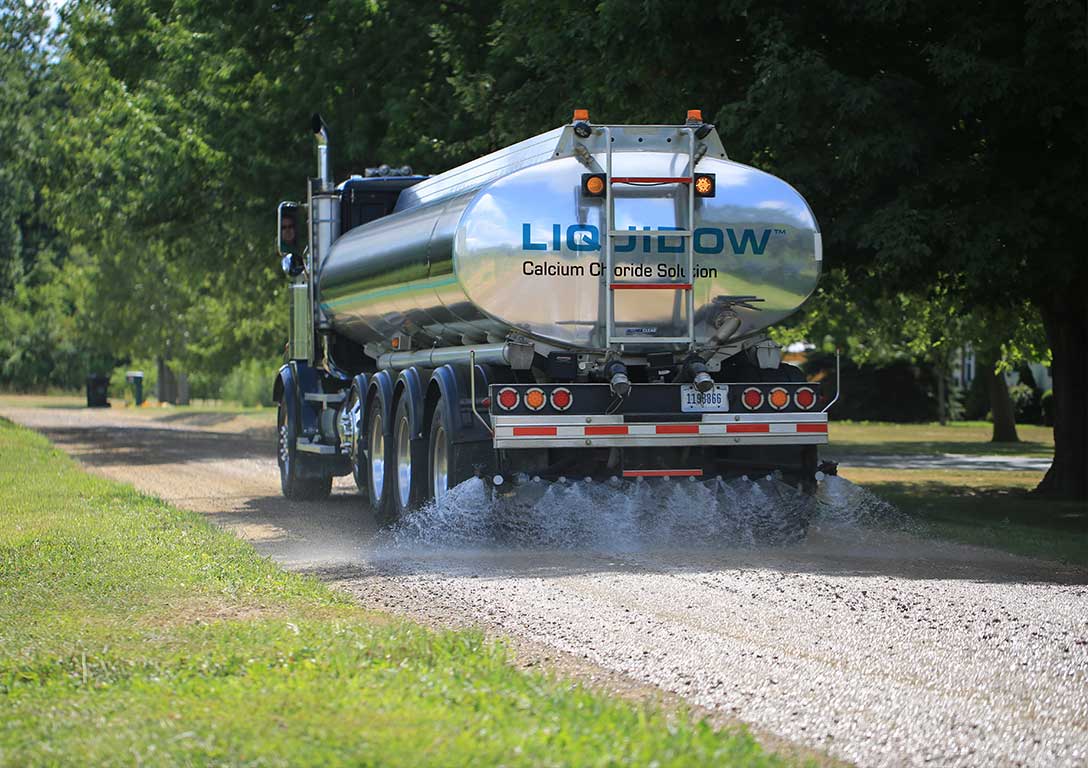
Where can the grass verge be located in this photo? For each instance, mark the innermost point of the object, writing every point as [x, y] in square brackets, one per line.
[986, 508]
[135, 633]
[964, 437]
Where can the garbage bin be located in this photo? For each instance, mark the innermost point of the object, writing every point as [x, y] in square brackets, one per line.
[136, 379]
[98, 387]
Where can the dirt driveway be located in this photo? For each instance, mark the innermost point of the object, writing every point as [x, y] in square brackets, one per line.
[880, 648]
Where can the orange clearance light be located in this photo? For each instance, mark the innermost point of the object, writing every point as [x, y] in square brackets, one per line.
[562, 399]
[752, 398]
[535, 399]
[805, 398]
[508, 398]
[705, 185]
[581, 114]
[779, 398]
[695, 115]
[593, 184]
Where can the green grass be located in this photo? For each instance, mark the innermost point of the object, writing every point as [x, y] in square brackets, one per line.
[966, 437]
[985, 508]
[135, 633]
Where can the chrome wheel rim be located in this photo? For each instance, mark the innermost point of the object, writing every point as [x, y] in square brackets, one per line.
[377, 456]
[283, 454]
[283, 446]
[404, 462]
[440, 464]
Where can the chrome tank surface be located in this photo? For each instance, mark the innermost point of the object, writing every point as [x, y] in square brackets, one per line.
[510, 244]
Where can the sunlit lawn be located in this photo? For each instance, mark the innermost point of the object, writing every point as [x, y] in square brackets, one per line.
[964, 437]
[134, 633]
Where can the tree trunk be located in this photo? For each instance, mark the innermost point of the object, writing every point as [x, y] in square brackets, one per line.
[942, 395]
[1066, 321]
[1001, 408]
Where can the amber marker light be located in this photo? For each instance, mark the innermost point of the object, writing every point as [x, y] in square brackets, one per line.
[705, 185]
[779, 398]
[593, 184]
[535, 399]
[582, 128]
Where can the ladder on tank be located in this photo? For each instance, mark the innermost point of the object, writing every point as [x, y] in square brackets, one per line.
[687, 287]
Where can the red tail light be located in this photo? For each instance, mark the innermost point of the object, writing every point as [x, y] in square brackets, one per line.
[805, 398]
[508, 398]
[753, 398]
[561, 399]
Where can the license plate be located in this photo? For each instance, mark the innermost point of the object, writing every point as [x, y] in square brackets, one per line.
[694, 401]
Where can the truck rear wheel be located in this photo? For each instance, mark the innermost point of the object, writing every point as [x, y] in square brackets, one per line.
[410, 461]
[293, 483]
[450, 464]
[379, 444]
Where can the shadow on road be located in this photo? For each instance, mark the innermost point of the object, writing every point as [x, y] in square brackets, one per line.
[136, 444]
[339, 538]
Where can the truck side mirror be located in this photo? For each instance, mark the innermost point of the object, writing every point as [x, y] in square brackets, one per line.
[288, 229]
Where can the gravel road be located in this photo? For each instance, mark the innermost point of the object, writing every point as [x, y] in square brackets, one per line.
[877, 648]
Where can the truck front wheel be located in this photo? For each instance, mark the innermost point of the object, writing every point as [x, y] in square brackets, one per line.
[294, 484]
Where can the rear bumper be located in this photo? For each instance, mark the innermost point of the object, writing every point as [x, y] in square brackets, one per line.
[613, 431]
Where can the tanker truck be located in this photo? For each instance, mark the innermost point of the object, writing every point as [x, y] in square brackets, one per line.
[589, 302]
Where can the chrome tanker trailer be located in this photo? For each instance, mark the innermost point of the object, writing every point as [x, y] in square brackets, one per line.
[590, 301]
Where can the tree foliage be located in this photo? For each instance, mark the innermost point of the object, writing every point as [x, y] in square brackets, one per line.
[941, 144]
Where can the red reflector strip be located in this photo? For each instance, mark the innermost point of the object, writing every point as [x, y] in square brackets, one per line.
[747, 427]
[651, 179]
[535, 431]
[811, 427]
[662, 473]
[616, 429]
[677, 429]
[651, 286]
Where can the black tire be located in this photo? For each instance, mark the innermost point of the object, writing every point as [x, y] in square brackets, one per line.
[294, 484]
[450, 464]
[380, 459]
[359, 465]
[410, 462]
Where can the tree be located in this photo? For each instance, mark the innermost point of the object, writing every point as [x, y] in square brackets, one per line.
[941, 144]
[958, 132]
[935, 141]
